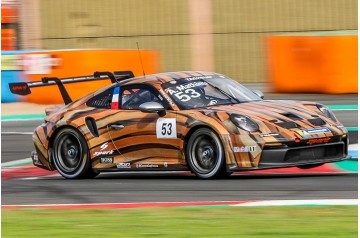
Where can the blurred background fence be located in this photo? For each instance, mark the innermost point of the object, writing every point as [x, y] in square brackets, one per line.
[226, 36]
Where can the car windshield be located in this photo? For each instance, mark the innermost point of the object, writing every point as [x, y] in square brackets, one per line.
[196, 92]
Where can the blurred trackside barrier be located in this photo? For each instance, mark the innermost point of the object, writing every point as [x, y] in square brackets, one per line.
[313, 64]
[71, 63]
[10, 72]
[226, 36]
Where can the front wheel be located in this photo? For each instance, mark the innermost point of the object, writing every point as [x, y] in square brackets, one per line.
[70, 155]
[205, 154]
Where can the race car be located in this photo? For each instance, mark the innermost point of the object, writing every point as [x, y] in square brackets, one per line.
[203, 122]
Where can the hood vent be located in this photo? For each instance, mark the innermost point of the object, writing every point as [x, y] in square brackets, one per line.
[317, 121]
[287, 124]
[291, 116]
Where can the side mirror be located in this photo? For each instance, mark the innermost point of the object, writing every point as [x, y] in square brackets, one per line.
[152, 107]
[259, 93]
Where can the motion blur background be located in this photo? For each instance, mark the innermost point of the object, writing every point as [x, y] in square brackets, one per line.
[226, 36]
[282, 46]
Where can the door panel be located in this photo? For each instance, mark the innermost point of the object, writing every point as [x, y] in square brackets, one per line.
[146, 140]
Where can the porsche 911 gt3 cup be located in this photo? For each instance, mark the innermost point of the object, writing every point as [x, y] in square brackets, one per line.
[198, 121]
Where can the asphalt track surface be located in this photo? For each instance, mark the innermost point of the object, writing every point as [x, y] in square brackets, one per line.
[170, 187]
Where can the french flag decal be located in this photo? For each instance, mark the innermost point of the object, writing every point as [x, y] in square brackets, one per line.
[115, 98]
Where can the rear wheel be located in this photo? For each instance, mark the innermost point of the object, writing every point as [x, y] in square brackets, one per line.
[205, 154]
[70, 155]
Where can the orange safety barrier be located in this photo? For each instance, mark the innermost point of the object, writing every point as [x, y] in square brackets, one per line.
[70, 63]
[8, 39]
[8, 14]
[313, 64]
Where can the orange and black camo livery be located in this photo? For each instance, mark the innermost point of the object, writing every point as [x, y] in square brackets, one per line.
[137, 146]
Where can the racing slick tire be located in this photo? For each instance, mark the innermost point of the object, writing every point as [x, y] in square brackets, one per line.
[205, 154]
[70, 155]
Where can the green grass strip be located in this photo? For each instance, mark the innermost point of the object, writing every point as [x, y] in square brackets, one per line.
[16, 163]
[347, 165]
[269, 222]
[343, 107]
[22, 117]
[352, 128]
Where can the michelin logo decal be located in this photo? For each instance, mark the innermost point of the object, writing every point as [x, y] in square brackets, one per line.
[316, 131]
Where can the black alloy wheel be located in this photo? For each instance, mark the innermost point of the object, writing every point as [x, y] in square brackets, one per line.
[205, 154]
[71, 156]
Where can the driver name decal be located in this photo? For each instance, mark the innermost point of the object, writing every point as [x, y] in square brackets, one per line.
[186, 92]
[166, 128]
[187, 86]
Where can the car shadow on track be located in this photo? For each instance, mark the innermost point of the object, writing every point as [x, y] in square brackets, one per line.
[189, 176]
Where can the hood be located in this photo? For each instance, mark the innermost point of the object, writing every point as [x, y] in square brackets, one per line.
[293, 118]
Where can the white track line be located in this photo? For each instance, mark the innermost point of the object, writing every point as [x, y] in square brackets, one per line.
[16, 133]
[299, 202]
[321, 202]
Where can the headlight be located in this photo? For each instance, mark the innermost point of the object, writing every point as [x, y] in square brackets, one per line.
[326, 111]
[244, 122]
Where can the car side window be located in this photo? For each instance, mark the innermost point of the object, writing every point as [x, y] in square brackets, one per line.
[102, 100]
[133, 97]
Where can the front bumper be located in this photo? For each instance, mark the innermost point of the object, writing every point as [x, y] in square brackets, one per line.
[40, 161]
[303, 155]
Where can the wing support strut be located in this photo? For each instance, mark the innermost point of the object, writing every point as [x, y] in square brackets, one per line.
[23, 88]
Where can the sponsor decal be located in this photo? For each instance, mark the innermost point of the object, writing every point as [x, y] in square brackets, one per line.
[110, 152]
[166, 97]
[125, 165]
[147, 166]
[198, 77]
[186, 92]
[316, 131]
[212, 102]
[104, 146]
[106, 160]
[247, 148]
[35, 157]
[19, 87]
[166, 128]
[318, 141]
[187, 86]
[298, 132]
[270, 134]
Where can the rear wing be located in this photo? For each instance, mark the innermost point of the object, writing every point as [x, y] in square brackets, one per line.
[23, 88]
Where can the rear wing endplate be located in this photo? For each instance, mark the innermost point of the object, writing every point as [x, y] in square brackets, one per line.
[23, 88]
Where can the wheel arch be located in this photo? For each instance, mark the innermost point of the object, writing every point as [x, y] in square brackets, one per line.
[224, 138]
[84, 167]
[220, 170]
[198, 126]
[52, 139]
[192, 130]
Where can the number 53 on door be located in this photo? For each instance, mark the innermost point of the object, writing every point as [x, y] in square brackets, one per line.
[166, 128]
